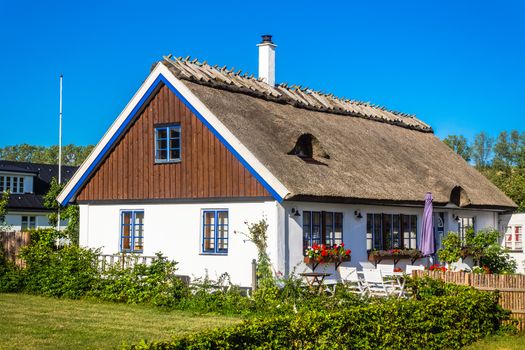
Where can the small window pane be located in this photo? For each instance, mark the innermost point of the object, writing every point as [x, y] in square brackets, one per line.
[174, 132]
[174, 154]
[162, 133]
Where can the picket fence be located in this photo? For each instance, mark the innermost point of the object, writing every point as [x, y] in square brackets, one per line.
[511, 288]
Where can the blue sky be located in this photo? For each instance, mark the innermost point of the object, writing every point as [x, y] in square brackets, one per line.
[458, 65]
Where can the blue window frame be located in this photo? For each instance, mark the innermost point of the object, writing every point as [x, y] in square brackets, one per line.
[167, 144]
[132, 231]
[215, 225]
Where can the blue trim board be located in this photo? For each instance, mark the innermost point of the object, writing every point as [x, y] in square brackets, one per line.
[161, 79]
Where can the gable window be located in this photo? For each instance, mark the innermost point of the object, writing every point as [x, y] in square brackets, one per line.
[464, 224]
[167, 144]
[391, 231]
[13, 184]
[215, 231]
[132, 231]
[28, 222]
[322, 227]
[514, 238]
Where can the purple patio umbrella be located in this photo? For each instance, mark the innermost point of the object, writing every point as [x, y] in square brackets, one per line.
[426, 244]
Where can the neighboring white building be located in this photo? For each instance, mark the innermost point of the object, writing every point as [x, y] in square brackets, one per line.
[27, 183]
[199, 151]
[513, 226]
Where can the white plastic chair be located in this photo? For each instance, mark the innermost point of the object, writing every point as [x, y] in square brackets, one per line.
[367, 265]
[351, 279]
[386, 269]
[410, 268]
[375, 284]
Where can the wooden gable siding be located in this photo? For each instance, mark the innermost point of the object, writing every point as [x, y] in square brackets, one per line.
[207, 168]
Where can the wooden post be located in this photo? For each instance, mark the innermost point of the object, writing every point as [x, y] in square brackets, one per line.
[254, 275]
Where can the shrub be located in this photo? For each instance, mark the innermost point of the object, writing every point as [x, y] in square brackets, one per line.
[66, 272]
[456, 318]
[155, 283]
[483, 246]
[10, 276]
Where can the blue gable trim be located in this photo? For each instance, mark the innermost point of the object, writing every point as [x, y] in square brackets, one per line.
[161, 79]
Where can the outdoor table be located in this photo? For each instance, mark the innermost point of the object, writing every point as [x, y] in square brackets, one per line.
[315, 279]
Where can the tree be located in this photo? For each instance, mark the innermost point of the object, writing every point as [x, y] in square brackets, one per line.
[4, 200]
[502, 152]
[459, 144]
[482, 149]
[69, 212]
[72, 154]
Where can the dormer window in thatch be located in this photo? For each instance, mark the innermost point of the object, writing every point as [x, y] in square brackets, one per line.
[308, 148]
[459, 197]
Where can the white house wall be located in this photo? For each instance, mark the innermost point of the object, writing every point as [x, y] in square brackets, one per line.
[517, 219]
[176, 231]
[354, 229]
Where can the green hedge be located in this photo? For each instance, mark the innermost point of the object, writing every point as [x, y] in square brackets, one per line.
[432, 322]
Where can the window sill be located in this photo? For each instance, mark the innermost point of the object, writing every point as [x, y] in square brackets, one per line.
[214, 254]
[167, 161]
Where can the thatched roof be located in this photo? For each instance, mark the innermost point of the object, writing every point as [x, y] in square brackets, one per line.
[362, 153]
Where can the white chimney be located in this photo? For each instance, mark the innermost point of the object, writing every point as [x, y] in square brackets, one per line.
[267, 60]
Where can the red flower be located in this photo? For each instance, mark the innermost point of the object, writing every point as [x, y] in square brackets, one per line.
[324, 253]
[397, 269]
[342, 244]
[348, 251]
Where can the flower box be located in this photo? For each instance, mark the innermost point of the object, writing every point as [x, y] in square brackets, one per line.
[314, 262]
[376, 256]
[318, 254]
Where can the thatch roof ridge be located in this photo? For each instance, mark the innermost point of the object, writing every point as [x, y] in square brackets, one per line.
[295, 95]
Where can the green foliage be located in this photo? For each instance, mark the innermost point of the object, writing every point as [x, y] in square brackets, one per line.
[257, 234]
[4, 200]
[484, 248]
[10, 275]
[69, 212]
[502, 162]
[451, 251]
[67, 271]
[459, 144]
[482, 150]
[454, 318]
[72, 154]
[155, 283]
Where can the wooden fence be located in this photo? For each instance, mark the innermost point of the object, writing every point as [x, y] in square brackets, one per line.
[511, 288]
[11, 242]
[105, 261]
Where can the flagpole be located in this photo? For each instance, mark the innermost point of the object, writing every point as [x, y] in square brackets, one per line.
[60, 148]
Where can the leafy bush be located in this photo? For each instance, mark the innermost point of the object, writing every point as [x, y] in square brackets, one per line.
[484, 248]
[68, 271]
[155, 283]
[452, 320]
[10, 276]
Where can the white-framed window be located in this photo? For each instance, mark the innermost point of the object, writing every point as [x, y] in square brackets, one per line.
[28, 222]
[132, 231]
[465, 223]
[322, 227]
[391, 231]
[167, 143]
[215, 227]
[13, 184]
[514, 238]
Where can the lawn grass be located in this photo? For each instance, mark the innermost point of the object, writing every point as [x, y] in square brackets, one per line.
[500, 342]
[34, 322]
